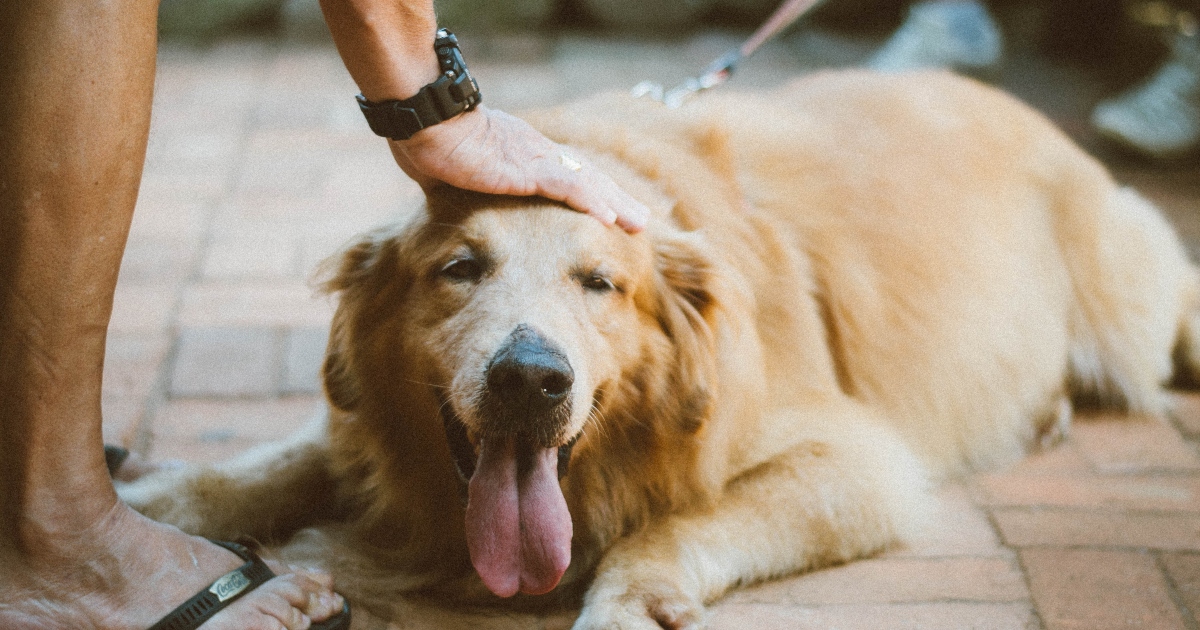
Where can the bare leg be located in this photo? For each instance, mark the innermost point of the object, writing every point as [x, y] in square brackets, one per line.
[74, 117]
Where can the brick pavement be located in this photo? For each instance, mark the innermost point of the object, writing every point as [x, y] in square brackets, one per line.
[259, 167]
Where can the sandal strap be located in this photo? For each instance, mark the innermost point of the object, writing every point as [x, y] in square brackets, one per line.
[221, 593]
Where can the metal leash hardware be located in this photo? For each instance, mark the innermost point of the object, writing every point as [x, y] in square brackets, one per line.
[722, 68]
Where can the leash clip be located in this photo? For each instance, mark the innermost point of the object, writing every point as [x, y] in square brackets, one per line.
[720, 70]
[715, 74]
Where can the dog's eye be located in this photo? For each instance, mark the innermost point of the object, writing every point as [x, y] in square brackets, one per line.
[463, 269]
[597, 282]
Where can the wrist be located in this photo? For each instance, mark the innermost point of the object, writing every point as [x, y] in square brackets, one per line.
[452, 93]
[385, 45]
[407, 72]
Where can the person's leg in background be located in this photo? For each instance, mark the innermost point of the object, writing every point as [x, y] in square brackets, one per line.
[77, 82]
[1160, 117]
[956, 35]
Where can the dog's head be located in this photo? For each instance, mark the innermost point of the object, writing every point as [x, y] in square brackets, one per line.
[512, 324]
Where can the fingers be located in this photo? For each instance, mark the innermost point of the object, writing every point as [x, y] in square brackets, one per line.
[585, 188]
[492, 152]
[593, 192]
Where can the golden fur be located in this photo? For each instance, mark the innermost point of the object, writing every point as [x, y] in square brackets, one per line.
[849, 287]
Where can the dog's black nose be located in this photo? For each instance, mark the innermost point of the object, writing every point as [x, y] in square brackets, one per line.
[529, 374]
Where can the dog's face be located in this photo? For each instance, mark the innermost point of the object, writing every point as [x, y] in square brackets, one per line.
[519, 322]
[518, 319]
[522, 318]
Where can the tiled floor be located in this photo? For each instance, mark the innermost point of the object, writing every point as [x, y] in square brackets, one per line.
[260, 166]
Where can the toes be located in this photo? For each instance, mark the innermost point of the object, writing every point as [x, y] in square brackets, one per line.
[286, 602]
[324, 578]
[310, 592]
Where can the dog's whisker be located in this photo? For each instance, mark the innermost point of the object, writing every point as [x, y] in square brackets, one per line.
[427, 384]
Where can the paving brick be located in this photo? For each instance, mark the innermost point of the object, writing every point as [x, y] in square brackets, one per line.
[156, 262]
[304, 352]
[1099, 590]
[1117, 493]
[1123, 444]
[1026, 527]
[164, 214]
[369, 178]
[133, 364]
[1061, 459]
[311, 145]
[187, 181]
[121, 417]
[285, 174]
[272, 216]
[928, 616]
[225, 362]
[141, 309]
[211, 430]
[194, 148]
[1185, 410]
[1184, 573]
[897, 580]
[260, 303]
[316, 249]
[258, 258]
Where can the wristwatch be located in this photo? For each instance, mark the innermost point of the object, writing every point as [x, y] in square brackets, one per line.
[451, 94]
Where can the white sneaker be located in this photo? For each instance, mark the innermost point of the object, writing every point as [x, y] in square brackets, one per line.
[952, 34]
[1161, 117]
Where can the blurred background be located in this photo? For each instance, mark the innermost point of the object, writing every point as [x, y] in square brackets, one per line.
[1065, 55]
[260, 165]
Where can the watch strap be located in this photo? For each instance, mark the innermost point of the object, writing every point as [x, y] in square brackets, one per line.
[453, 93]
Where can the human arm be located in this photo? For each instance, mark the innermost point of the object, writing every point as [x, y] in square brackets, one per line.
[387, 45]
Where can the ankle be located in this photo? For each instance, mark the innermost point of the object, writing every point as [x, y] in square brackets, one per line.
[68, 537]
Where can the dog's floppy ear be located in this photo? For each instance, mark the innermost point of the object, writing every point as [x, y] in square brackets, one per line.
[341, 386]
[353, 274]
[686, 310]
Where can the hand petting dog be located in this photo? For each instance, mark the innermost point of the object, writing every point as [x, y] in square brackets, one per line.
[386, 47]
[489, 151]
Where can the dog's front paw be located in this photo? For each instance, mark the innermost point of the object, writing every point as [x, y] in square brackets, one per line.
[645, 606]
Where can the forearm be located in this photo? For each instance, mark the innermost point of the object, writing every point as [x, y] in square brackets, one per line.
[387, 45]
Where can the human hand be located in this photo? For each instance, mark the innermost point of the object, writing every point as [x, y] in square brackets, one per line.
[489, 151]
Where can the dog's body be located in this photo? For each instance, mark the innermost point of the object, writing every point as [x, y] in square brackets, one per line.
[849, 286]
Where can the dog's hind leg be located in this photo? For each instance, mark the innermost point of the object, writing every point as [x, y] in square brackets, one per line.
[846, 489]
[1135, 295]
[266, 493]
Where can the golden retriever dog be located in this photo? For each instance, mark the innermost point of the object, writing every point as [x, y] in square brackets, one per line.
[850, 288]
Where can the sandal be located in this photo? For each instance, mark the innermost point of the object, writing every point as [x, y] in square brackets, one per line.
[228, 588]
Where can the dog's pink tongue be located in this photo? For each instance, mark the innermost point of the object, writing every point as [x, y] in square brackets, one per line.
[518, 526]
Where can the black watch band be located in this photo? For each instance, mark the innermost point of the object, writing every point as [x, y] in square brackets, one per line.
[451, 94]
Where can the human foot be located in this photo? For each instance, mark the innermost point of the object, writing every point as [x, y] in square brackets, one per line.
[128, 572]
